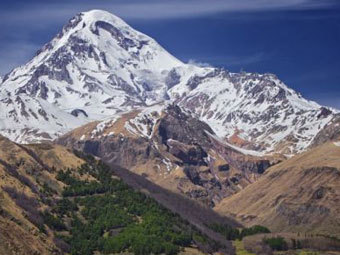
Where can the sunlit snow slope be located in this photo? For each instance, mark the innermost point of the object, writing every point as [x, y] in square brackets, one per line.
[99, 66]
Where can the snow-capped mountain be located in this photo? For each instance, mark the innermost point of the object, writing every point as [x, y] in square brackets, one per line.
[99, 66]
[254, 111]
[96, 67]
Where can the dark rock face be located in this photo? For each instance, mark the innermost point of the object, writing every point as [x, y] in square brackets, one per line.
[319, 193]
[224, 168]
[43, 113]
[120, 83]
[35, 88]
[262, 166]
[324, 112]
[77, 112]
[191, 156]
[72, 23]
[55, 69]
[123, 41]
[177, 125]
[91, 147]
[19, 102]
[209, 190]
[193, 176]
[238, 161]
[172, 79]
[118, 150]
[280, 96]
[129, 152]
[82, 48]
[195, 81]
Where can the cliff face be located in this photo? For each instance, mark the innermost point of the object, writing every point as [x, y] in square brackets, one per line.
[331, 132]
[172, 149]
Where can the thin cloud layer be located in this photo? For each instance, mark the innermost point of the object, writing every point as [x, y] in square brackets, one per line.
[230, 61]
[151, 9]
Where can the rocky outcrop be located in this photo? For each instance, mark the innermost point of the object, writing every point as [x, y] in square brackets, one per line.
[331, 132]
[176, 125]
[77, 112]
[171, 148]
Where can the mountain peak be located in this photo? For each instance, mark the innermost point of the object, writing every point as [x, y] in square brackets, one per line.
[101, 15]
[98, 66]
[95, 67]
[89, 19]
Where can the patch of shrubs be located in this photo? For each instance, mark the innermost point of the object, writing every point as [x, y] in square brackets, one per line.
[296, 244]
[231, 233]
[276, 243]
[64, 206]
[257, 229]
[227, 231]
[53, 222]
[66, 177]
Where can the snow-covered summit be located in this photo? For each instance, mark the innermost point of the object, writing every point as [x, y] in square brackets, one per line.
[95, 67]
[98, 66]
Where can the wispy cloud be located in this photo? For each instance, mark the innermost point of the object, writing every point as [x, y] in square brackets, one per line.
[152, 9]
[228, 61]
[198, 63]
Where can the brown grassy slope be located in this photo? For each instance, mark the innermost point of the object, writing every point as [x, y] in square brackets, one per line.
[56, 155]
[23, 172]
[300, 194]
[317, 245]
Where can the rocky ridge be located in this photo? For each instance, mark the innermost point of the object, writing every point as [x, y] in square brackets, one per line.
[173, 149]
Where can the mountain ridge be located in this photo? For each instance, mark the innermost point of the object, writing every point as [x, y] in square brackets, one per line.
[172, 149]
[98, 66]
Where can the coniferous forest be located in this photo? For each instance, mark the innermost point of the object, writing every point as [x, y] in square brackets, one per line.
[104, 214]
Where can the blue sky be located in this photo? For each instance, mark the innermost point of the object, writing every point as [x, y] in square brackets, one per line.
[299, 40]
